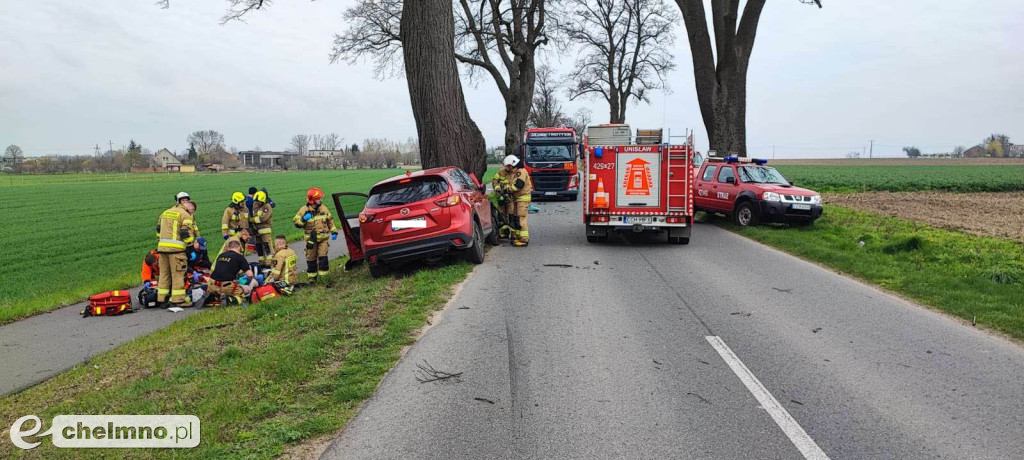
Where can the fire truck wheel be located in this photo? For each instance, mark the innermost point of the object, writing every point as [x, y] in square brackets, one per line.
[592, 239]
[745, 215]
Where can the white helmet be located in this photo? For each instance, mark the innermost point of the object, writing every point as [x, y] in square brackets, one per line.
[511, 160]
[182, 195]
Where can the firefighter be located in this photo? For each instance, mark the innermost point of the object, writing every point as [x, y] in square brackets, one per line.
[262, 215]
[175, 228]
[224, 279]
[316, 222]
[513, 186]
[283, 274]
[151, 268]
[236, 216]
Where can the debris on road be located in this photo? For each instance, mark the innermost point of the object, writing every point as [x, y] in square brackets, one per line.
[488, 401]
[704, 400]
[787, 291]
[744, 313]
[558, 265]
[815, 330]
[796, 402]
[427, 373]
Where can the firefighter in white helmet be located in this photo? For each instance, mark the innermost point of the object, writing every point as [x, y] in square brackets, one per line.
[512, 185]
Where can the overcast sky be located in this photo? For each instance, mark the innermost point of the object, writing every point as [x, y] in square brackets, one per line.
[75, 73]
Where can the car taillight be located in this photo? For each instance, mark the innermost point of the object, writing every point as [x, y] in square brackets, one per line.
[364, 217]
[458, 241]
[450, 201]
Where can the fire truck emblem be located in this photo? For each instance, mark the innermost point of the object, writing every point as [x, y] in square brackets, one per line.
[638, 177]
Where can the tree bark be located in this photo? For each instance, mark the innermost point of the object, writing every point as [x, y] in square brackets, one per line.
[722, 86]
[447, 134]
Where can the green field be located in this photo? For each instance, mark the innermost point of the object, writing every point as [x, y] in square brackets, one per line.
[963, 275]
[66, 237]
[906, 178]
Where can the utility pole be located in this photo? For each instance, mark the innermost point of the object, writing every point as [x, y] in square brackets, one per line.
[871, 153]
[111, 146]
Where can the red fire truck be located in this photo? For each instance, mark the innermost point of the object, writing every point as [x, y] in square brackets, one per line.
[638, 188]
[550, 157]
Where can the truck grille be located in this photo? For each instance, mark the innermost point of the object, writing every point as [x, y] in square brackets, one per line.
[796, 199]
[550, 181]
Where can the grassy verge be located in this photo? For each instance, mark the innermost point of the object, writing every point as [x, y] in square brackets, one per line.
[261, 379]
[963, 275]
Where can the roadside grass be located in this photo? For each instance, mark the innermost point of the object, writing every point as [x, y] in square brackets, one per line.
[906, 178]
[964, 275]
[261, 379]
[67, 238]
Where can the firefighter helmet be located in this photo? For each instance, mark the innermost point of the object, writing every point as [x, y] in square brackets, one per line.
[182, 196]
[314, 194]
[237, 198]
[511, 160]
[260, 196]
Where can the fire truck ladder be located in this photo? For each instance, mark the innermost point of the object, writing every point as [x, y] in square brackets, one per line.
[678, 179]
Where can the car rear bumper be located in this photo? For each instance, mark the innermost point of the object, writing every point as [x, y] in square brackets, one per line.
[419, 249]
[776, 211]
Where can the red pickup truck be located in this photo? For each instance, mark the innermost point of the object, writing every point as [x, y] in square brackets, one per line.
[752, 192]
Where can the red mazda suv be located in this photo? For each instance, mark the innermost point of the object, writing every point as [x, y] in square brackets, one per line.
[425, 215]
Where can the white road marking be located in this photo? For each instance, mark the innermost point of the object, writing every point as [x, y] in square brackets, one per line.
[796, 434]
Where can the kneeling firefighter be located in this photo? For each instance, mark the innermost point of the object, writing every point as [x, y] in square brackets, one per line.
[316, 222]
[513, 186]
[175, 229]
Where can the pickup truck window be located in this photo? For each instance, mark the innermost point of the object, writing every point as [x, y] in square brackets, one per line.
[709, 173]
[724, 173]
[761, 175]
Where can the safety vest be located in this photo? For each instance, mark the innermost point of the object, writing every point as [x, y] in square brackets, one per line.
[175, 229]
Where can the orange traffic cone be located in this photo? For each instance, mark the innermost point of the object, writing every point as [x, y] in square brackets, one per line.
[600, 196]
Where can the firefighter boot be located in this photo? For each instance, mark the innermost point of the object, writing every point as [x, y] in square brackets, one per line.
[311, 271]
[324, 268]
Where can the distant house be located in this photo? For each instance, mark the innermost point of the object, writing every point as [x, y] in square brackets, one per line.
[1015, 151]
[166, 160]
[265, 160]
[975, 152]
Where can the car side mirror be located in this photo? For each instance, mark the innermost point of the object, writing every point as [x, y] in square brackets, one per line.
[476, 181]
[730, 180]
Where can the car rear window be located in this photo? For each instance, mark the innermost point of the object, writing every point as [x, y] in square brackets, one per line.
[401, 192]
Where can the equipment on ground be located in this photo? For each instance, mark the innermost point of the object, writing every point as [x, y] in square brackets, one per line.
[147, 297]
[110, 303]
[262, 293]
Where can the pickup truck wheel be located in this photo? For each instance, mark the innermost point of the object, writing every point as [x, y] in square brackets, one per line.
[592, 239]
[745, 215]
[475, 254]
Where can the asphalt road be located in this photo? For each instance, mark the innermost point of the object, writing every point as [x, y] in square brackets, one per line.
[39, 347]
[610, 357]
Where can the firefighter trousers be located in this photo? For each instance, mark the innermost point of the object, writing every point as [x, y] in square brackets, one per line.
[317, 262]
[518, 213]
[173, 266]
[263, 242]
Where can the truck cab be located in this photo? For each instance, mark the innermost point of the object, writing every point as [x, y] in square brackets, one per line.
[550, 155]
[752, 192]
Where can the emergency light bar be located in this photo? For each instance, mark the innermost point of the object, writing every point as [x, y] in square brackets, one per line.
[732, 159]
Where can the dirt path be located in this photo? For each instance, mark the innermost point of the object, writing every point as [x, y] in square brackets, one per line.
[987, 214]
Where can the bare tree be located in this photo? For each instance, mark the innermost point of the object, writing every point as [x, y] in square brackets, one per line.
[447, 134]
[499, 38]
[722, 85]
[624, 49]
[546, 110]
[301, 144]
[853, 154]
[326, 141]
[580, 120]
[958, 151]
[13, 155]
[205, 142]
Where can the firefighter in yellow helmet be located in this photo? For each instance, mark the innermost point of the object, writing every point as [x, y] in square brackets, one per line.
[316, 222]
[513, 186]
[175, 229]
[262, 215]
[236, 216]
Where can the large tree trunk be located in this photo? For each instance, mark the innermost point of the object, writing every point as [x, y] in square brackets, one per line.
[728, 132]
[517, 105]
[615, 114]
[447, 134]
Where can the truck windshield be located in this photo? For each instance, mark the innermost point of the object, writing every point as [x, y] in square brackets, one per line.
[761, 175]
[549, 153]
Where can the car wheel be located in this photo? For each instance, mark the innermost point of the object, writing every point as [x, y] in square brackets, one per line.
[492, 238]
[745, 215]
[475, 254]
[378, 270]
